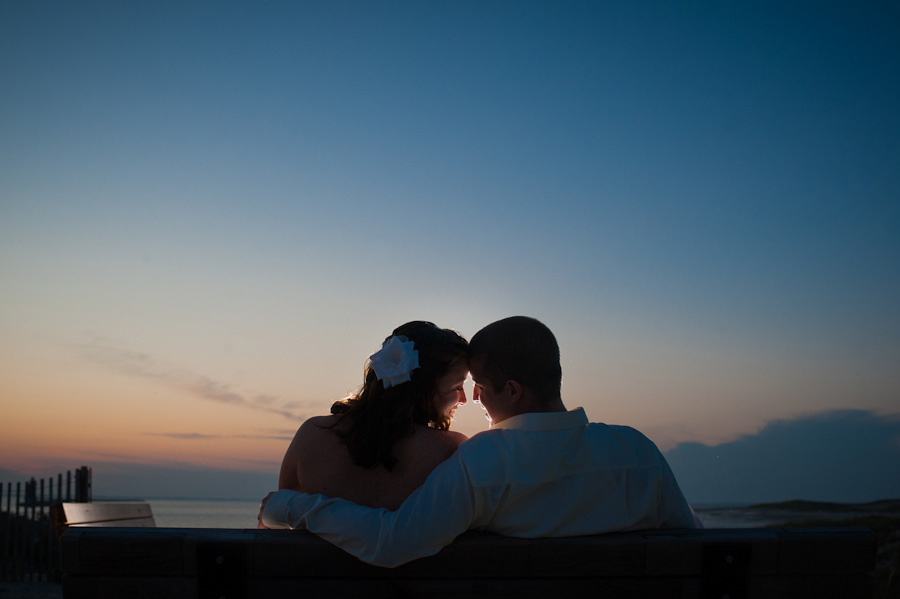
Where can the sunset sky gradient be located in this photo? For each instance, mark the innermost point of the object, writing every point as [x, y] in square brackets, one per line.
[212, 213]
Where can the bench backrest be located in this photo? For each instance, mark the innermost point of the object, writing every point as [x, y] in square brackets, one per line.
[132, 515]
[266, 564]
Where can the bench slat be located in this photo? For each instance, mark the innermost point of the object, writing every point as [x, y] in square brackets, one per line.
[100, 514]
[66, 515]
[99, 562]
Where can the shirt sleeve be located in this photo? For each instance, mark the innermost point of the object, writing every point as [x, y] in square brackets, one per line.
[674, 510]
[435, 514]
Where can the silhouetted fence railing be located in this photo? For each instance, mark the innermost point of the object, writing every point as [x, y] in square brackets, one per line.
[30, 551]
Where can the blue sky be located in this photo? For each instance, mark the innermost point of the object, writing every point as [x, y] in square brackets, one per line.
[209, 200]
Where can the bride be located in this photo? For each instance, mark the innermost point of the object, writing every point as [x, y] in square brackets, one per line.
[379, 444]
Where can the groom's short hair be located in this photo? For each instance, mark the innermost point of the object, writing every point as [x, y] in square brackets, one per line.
[521, 349]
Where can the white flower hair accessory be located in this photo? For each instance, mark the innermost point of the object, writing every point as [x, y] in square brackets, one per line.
[395, 361]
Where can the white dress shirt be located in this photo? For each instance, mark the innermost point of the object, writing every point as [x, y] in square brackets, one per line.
[548, 474]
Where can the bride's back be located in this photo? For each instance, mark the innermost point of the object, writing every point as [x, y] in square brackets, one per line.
[317, 461]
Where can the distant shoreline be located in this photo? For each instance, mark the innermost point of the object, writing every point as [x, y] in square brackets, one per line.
[802, 505]
[773, 514]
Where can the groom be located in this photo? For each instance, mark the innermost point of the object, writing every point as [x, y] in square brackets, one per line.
[540, 471]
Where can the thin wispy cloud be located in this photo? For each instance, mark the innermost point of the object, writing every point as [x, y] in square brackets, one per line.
[280, 432]
[186, 436]
[275, 437]
[205, 437]
[145, 366]
[104, 456]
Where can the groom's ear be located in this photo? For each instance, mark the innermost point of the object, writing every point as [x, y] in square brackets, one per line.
[514, 389]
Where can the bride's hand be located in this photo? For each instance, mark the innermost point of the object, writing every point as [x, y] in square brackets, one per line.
[262, 507]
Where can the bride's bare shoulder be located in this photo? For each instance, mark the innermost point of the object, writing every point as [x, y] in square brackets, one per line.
[318, 428]
[444, 441]
[454, 438]
[320, 422]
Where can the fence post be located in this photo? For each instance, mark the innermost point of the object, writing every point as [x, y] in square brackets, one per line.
[30, 496]
[19, 541]
[48, 527]
[83, 485]
[6, 525]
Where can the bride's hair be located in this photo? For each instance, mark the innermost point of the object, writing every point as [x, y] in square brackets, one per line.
[376, 418]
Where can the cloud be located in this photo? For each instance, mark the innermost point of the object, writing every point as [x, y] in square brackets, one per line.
[204, 437]
[144, 366]
[843, 456]
[274, 437]
[281, 432]
[88, 455]
[205, 388]
[185, 436]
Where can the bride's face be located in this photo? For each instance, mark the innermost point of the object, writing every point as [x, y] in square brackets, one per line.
[450, 393]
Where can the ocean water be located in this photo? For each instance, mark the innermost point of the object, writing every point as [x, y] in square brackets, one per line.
[204, 513]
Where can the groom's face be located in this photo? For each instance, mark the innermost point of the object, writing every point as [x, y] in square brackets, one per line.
[484, 392]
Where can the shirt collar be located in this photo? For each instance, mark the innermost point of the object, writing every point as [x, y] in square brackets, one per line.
[545, 421]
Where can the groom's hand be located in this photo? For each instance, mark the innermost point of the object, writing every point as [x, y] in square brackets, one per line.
[262, 507]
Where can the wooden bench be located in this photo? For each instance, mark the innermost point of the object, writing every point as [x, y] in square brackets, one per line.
[64, 515]
[776, 563]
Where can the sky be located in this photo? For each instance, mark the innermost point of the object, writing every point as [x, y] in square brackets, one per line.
[212, 213]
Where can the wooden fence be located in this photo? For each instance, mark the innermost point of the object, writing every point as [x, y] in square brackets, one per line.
[29, 550]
